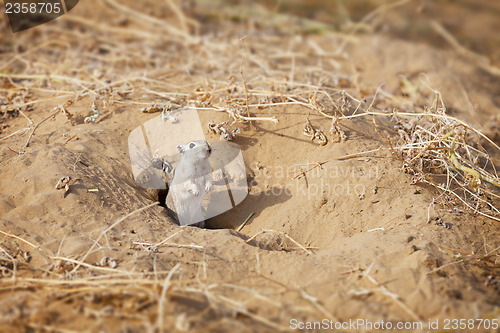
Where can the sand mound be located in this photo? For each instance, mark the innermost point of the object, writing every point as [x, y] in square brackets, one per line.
[336, 231]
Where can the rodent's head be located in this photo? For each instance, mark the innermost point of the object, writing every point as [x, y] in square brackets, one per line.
[198, 148]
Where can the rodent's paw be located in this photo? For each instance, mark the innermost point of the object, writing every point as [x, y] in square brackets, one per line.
[208, 184]
[191, 187]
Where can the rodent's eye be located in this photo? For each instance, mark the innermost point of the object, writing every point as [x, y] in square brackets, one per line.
[192, 145]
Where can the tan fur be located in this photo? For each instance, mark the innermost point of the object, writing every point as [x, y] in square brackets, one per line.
[192, 180]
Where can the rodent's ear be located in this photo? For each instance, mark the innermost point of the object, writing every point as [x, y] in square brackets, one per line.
[181, 148]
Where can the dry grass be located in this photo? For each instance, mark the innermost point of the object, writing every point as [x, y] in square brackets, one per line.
[433, 147]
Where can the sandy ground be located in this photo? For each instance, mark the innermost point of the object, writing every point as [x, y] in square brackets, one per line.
[345, 239]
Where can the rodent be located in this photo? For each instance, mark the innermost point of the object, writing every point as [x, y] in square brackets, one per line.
[191, 182]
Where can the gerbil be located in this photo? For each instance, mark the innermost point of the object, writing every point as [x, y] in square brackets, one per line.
[192, 180]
